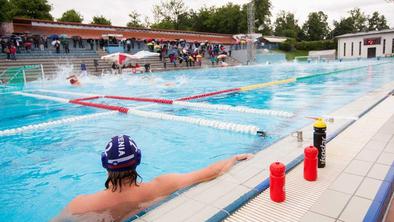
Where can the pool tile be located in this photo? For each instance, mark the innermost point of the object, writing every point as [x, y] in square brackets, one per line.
[368, 155]
[346, 183]
[204, 214]
[375, 144]
[182, 212]
[215, 192]
[245, 174]
[331, 203]
[230, 197]
[383, 136]
[358, 167]
[313, 217]
[378, 171]
[258, 178]
[386, 158]
[368, 188]
[390, 146]
[355, 210]
[164, 208]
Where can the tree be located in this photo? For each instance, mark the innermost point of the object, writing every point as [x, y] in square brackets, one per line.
[134, 20]
[4, 9]
[71, 16]
[35, 9]
[356, 22]
[286, 25]
[262, 15]
[377, 22]
[170, 13]
[100, 20]
[344, 26]
[316, 27]
[359, 19]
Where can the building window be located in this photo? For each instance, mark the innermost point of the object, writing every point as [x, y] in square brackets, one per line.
[359, 48]
[392, 47]
[344, 49]
[352, 50]
[384, 46]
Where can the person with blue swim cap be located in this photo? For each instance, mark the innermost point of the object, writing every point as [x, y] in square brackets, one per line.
[124, 196]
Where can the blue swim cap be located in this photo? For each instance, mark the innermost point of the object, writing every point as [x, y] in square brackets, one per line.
[121, 154]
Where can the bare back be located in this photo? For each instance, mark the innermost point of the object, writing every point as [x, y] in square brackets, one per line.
[118, 206]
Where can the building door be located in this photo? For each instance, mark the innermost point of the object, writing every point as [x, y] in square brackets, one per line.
[371, 52]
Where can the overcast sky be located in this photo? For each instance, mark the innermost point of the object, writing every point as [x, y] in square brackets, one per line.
[117, 10]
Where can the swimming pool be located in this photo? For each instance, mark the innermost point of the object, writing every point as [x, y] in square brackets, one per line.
[43, 169]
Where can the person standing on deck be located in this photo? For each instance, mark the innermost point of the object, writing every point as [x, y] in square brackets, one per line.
[124, 196]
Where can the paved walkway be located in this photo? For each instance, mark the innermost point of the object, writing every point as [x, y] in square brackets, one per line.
[358, 161]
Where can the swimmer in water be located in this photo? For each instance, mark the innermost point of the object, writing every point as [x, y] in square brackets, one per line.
[74, 80]
[125, 194]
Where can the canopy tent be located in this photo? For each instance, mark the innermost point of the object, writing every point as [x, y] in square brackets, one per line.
[119, 57]
[145, 54]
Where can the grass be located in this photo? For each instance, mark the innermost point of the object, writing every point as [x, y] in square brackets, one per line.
[290, 55]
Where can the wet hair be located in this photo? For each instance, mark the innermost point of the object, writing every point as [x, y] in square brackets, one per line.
[117, 179]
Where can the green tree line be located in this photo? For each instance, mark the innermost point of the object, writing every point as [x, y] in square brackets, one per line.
[230, 18]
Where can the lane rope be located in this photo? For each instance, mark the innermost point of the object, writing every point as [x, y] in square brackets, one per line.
[241, 109]
[241, 128]
[52, 98]
[22, 129]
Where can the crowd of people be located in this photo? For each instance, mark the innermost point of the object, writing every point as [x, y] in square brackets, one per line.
[17, 43]
[190, 53]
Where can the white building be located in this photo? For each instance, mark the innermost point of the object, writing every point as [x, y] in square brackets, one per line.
[366, 44]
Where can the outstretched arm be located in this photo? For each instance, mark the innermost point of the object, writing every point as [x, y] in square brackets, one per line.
[169, 183]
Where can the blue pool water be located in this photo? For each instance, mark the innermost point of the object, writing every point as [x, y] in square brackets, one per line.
[42, 170]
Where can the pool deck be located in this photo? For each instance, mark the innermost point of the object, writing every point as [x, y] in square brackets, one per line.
[358, 162]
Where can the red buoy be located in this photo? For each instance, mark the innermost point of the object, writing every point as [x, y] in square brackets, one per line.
[277, 182]
[310, 163]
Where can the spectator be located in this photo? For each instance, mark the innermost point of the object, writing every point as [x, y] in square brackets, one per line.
[91, 44]
[13, 52]
[57, 46]
[114, 68]
[84, 71]
[66, 47]
[96, 63]
[7, 51]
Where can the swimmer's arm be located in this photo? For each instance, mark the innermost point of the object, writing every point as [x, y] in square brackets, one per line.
[169, 183]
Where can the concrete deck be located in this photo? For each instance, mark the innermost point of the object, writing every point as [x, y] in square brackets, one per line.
[357, 161]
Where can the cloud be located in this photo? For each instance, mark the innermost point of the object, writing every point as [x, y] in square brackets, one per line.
[117, 10]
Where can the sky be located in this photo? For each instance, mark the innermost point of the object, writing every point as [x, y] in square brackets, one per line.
[117, 10]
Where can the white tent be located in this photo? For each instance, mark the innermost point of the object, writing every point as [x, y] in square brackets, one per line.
[119, 58]
[145, 54]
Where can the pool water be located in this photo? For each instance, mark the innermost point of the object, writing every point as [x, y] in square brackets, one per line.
[42, 170]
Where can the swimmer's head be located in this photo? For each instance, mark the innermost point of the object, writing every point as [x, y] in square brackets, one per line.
[121, 154]
[73, 81]
[121, 158]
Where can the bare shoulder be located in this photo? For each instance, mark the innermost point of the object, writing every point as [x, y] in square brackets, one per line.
[78, 205]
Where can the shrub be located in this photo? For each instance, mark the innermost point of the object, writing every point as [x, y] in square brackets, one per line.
[316, 45]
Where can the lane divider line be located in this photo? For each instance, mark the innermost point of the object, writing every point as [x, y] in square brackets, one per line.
[67, 92]
[52, 98]
[52, 123]
[241, 128]
[241, 109]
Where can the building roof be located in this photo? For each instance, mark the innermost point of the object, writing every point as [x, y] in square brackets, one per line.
[274, 39]
[365, 33]
[91, 31]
